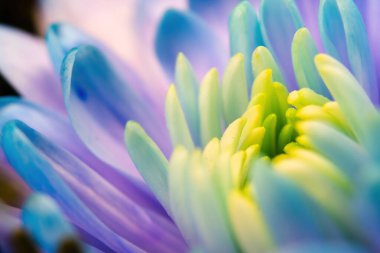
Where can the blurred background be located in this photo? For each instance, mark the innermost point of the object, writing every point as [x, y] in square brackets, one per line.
[20, 14]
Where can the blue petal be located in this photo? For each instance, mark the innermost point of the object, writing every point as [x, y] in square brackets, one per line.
[58, 130]
[99, 103]
[186, 33]
[245, 35]
[45, 222]
[87, 199]
[280, 21]
[327, 247]
[344, 36]
[291, 215]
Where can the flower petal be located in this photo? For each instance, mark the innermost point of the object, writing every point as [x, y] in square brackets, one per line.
[280, 20]
[58, 130]
[323, 248]
[45, 222]
[186, 33]
[99, 112]
[84, 195]
[25, 64]
[344, 37]
[245, 35]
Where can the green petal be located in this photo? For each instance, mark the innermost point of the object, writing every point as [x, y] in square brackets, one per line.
[245, 34]
[149, 160]
[262, 59]
[234, 89]
[303, 52]
[187, 88]
[352, 99]
[209, 104]
[176, 122]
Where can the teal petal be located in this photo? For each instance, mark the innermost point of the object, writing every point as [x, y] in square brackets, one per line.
[262, 59]
[176, 121]
[280, 19]
[44, 220]
[187, 88]
[303, 52]
[352, 99]
[344, 37]
[290, 214]
[209, 104]
[234, 89]
[149, 160]
[245, 35]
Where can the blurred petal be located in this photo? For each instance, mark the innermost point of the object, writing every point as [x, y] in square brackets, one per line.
[323, 248]
[186, 33]
[303, 53]
[344, 37]
[84, 195]
[58, 130]
[290, 214]
[280, 21]
[45, 222]
[25, 63]
[245, 35]
[99, 104]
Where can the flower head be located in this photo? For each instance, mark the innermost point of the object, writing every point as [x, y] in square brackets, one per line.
[273, 156]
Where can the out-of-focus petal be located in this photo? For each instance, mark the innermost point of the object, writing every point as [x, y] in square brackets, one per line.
[344, 37]
[99, 104]
[57, 129]
[45, 222]
[280, 20]
[215, 12]
[25, 63]
[291, 215]
[245, 35]
[184, 32]
[309, 12]
[85, 196]
[323, 248]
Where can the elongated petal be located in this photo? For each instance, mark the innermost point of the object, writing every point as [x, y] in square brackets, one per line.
[58, 130]
[345, 38]
[186, 33]
[351, 97]
[309, 13]
[149, 160]
[303, 53]
[176, 121]
[280, 20]
[188, 88]
[45, 222]
[209, 104]
[83, 194]
[290, 214]
[98, 112]
[234, 89]
[245, 35]
[25, 64]
[262, 60]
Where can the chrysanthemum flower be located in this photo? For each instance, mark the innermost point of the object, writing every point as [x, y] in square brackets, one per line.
[279, 155]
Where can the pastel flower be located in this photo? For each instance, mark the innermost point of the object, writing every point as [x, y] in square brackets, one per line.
[245, 166]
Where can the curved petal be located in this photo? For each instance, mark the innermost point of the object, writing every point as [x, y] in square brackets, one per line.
[85, 196]
[25, 63]
[184, 32]
[99, 104]
[279, 22]
[45, 222]
[59, 131]
[126, 27]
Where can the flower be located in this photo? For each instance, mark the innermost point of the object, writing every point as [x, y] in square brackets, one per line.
[289, 172]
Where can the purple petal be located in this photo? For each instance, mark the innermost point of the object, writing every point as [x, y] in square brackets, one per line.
[24, 62]
[184, 32]
[99, 112]
[88, 200]
[59, 131]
